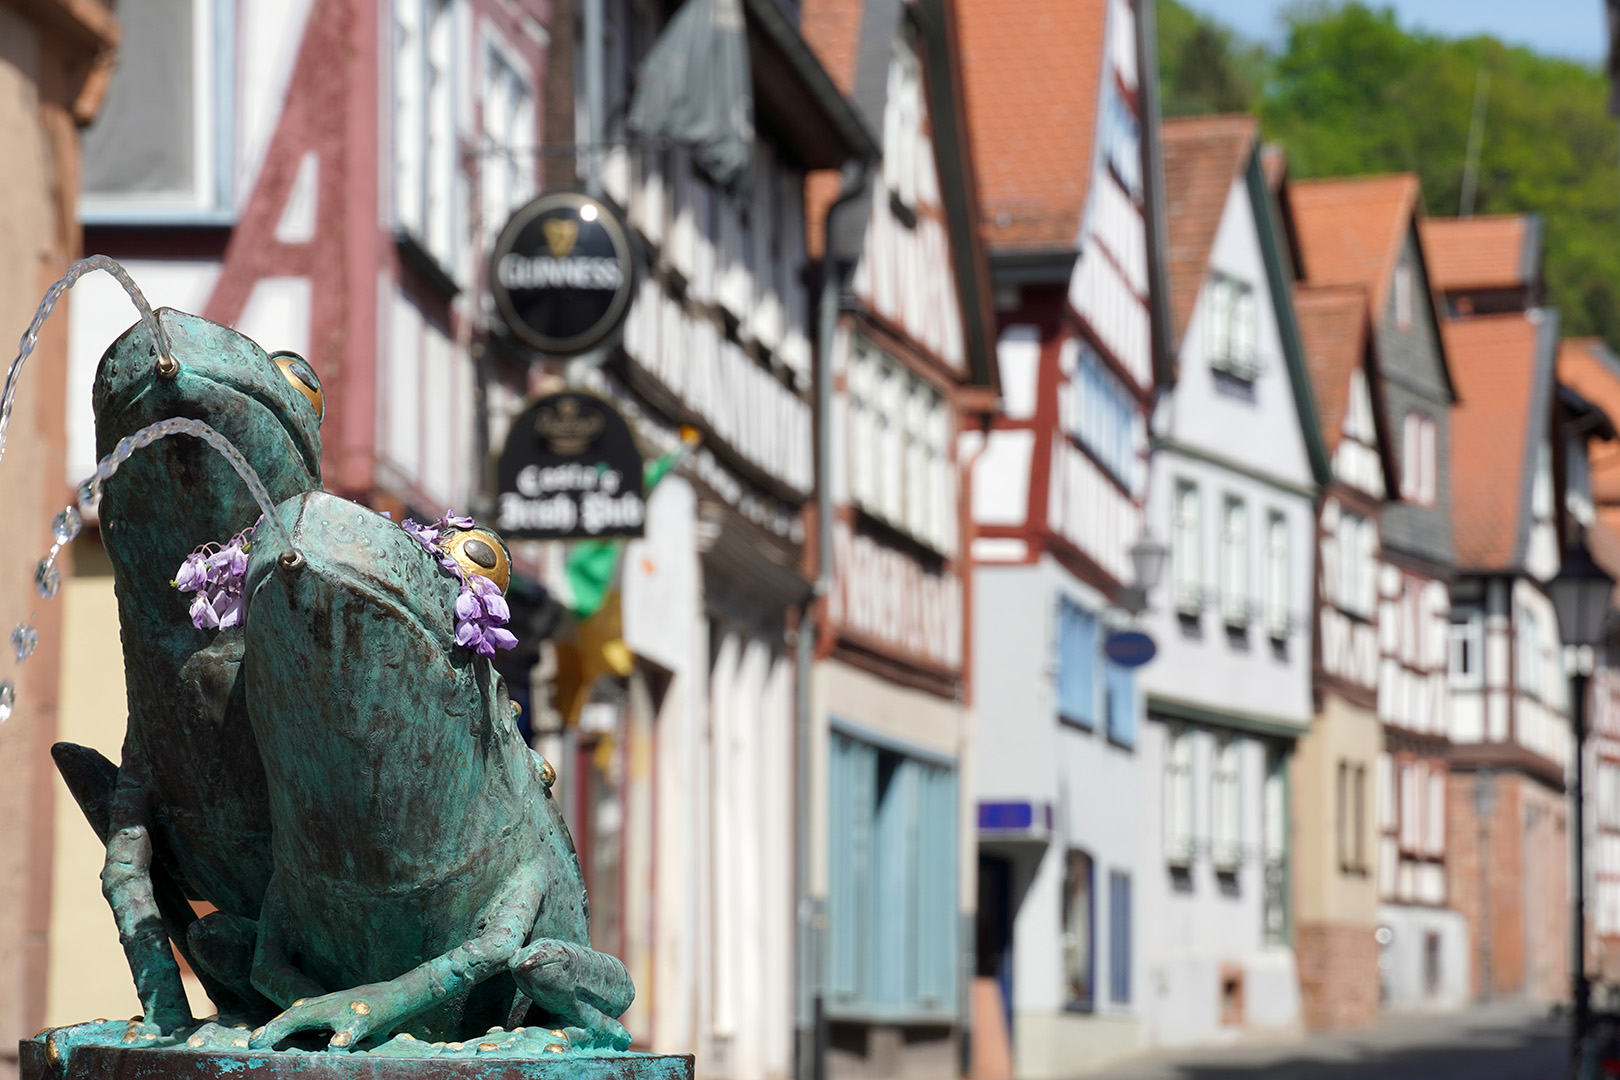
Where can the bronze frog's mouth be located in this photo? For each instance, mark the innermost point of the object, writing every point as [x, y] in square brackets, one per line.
[214, 365]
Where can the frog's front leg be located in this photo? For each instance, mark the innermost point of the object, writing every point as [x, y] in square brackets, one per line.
[126, 882]
[579, 989]
[377, 1008]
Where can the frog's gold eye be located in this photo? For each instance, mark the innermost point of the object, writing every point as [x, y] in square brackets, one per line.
[479, 551]
[297, 371]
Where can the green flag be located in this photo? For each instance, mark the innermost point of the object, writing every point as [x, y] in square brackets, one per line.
[592, 564]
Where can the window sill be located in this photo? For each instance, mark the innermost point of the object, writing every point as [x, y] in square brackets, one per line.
[1087, 726]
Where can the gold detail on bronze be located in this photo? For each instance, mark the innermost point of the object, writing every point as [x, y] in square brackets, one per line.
[341, 1039]
[487, 1047]
[556, 1048]
[479, 551]
[361, 1007]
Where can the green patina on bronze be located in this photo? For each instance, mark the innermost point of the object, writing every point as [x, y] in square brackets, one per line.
[338, 777]
[422, 868]
[187, 814]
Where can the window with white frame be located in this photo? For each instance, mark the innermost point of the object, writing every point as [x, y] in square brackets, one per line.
[162, 140]
[425, 157]
[1226, 805]
[1178, 796]
[1419, 463]
[1529, 680]
[1467, 648]
[507, 156]
[1357, 559]
[902, 125]
[1121, 140]
[1102, 415]
[1279, 574]
[1350, 817]
[899, 448]
[1187, 548]
[1434, 815]
[1231, 326]
[1235, 561]
[1405, 295]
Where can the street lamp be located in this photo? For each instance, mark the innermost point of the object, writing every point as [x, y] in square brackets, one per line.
[1147, 561]
[1581, 594]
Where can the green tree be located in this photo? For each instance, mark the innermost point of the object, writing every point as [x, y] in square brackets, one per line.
[1204, 67]
[1352, 93]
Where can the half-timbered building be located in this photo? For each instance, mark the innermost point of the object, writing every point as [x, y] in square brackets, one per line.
[1365, 232]
[912, 362]
[1063, 125]
[1237, 461]
[1335, 902]
[1509, 709]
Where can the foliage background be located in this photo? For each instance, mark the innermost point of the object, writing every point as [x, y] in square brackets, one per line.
[1352, 93]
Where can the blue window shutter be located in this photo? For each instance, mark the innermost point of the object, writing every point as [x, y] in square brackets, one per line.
[936, 923]
[852, 777]
[1121, 704]
[1077, 663]
[895, 887]
[1119, 936]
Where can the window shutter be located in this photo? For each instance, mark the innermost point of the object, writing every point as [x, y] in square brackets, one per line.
[1119, 937]
[852, 778]
[1178, 798]
[1186, 556]
[1278, 572]
[1077, 662]
[1121, 688]
[936, 922]
[1235, 563]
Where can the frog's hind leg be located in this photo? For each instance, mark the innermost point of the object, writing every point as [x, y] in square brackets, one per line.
[127, 883]
[378, 1008]
[577, 989]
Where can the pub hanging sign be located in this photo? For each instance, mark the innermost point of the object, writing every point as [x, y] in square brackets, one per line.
[562, 273]
[570, 470]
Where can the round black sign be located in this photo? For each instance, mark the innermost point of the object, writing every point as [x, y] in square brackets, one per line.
[562, 272]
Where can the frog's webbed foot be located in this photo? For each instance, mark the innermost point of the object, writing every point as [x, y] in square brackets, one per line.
[578, 989]
[351, 1016]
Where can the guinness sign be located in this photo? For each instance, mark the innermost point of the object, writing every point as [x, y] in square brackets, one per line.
[562, 272]
[570, 470]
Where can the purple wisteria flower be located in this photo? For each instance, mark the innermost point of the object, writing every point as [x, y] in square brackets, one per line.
[218, 575]
[481, 611]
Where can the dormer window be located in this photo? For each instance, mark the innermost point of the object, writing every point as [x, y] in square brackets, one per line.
[1405, 295]
[1231, 331]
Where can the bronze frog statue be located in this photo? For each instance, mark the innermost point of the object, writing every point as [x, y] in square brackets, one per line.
[424, 879]
[185, 814]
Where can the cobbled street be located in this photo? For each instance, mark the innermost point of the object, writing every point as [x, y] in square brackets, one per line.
[1504, 1042]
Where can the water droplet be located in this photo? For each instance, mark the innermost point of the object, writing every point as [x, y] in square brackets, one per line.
[25, 639]
[8, 700]
[47, 579]
[66, 525]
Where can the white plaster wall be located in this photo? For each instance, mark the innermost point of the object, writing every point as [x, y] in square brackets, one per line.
[1023, 752]
[1401, 962]
[1200, 662]
[1199, 927]
[1260, 430]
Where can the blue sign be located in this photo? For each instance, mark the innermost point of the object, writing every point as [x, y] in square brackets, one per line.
[1130, 648]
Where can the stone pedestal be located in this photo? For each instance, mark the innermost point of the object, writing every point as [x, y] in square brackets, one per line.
[97, 1051]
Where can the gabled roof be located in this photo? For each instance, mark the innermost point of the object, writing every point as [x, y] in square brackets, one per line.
[1591, 369]
[1351, 230]
[1335, 330]
[1032, 80]
[1496, 251]
[1202, 157]
[1505, 374]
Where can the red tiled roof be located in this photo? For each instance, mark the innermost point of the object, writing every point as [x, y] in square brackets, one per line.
[1202, 156]
[1586, 367]
[1351, 231]
[832, 28]
[1333, 328]
[1475, 252]
[1494, 366]
[1032, 79]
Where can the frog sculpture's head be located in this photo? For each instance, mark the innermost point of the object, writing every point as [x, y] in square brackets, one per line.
[180, 493]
